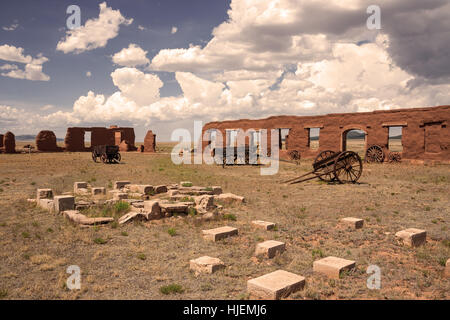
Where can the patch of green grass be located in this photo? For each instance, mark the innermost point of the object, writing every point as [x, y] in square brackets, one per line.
[33, 183]
[124, 233]
[171, 288]
[3, 293]
[142, 256]
[35, 224]
[208, 189]
[114, 225]
[229, 216]
[442, 261]
[99, 241]
[121, 207]
[187, 184]
[317, 253]
[25, 234]
[172, 231]
[192, 211]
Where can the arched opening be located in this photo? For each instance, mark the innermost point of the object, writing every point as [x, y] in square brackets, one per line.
[354, 140]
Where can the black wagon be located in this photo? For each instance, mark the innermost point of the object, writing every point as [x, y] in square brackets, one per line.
[237, 155]
[107, 154]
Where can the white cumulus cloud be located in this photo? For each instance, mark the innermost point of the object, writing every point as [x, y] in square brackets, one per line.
[33, 66]
[131, 57]
[95, 33]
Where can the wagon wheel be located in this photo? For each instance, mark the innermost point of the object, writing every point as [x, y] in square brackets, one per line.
[94, 156]
[348, 167]
[374, 154]
[321, 156]
[104, 158]
[395, 157]
[294, 155]
[117, 157]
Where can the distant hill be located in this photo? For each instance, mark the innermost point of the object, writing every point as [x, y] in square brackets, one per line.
[30, 137]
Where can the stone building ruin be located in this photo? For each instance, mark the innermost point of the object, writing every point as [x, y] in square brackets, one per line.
[424, 132]
[114, 135]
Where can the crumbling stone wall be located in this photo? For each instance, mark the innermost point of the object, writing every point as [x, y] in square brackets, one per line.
[46, 141]
[9, 142]
[74, 140]
[1, 141]
[425, 133]
[150, 142]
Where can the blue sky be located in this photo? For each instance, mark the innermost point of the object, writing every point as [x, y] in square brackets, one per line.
[227, 60]
[43, 23]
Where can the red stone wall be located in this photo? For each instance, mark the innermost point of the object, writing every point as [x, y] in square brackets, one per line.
[425, 133]
[74, 140]
[46, 141]
[9, 142]
[150, 142]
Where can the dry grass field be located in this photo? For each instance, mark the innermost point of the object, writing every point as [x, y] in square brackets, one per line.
[133, 261]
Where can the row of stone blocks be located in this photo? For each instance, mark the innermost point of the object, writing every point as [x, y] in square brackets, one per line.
[280, 283]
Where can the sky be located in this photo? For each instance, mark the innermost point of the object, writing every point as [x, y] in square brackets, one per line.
[162, 65]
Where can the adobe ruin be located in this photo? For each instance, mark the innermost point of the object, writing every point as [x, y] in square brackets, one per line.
[150, 142]
[46, 141]
[114, 135]
[8, 144]
[425, 135]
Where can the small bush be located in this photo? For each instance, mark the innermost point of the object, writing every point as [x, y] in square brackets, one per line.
[192, 211]
[25, 234]
[100, 241]
[171, 288]
[141, 256]
[317, 252]
[187, 184]
[3, 293]
[121, 207]
[172, 231]
[125, 234]
[208, 189]
[229, 216]
[50, 230]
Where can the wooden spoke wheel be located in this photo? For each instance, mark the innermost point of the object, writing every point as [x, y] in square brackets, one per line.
[348, 167]
[94, 156]
[374, 154]
[104, 158]
[117, 157]
[395, 157]
[329, 176]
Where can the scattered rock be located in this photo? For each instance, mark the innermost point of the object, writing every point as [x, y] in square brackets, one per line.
[63, 203]
[160, 189]
[219, 233]
[353, 222]
[269, 248]
[264, 224]
[332, 266]
[97, 191]
[412, 237]
[75, 216]
[229, 198]
[141, 188]
[44, 194]
[120, 184]
[204, 203]
[120, 196]
[276, 285]
[206, 264]
[80, 187]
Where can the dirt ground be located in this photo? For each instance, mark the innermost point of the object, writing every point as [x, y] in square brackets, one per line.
[135, 260]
